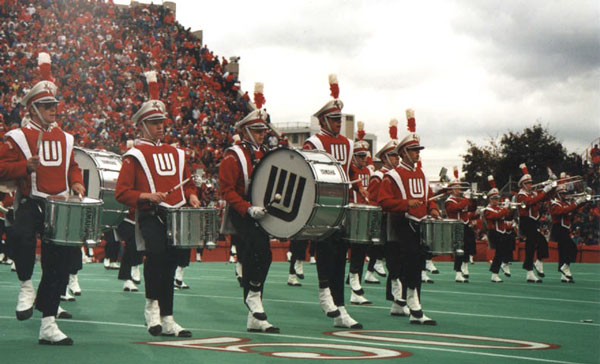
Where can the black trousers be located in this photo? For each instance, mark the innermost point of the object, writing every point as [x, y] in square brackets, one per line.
[112, 247]
[469, 248]
[501, 243]
[253, 251]
[131, 257]
[298, 250]
[405, 259]
[161, 260]
[535, 242]
[567, 250]
[29, 220]
[375, 252]
[358, 253]
[75, 257]
[331, 265]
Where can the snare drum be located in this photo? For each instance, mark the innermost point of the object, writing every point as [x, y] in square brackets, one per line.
[189, 227]
[72, 221]
[100, 171]
[363, 224]
[444, 236]
[313, 189]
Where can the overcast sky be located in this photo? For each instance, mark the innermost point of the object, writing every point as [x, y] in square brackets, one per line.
[471, 69]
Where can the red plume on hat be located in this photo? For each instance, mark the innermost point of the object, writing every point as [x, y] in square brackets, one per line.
[333, 86]
[45, 64]
[455, 171]
[360, 134]
[492, 181]
[523, 167]
[152, 81]
[394, 128]
[419, 164]
[411, 123]
[259, 97]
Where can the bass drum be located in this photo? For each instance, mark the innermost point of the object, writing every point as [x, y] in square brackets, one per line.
[312, 189]
[100, 171]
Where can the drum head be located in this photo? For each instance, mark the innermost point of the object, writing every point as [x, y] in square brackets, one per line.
[291, 174]
[99, 169]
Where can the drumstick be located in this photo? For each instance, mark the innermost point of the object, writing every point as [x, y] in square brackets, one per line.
[179, 185]
[276, 198]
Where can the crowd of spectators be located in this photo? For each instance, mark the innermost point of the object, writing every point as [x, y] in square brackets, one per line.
[99, 53]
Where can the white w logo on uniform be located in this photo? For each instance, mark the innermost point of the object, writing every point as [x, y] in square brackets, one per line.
[51, 153]
[416, 187]
[339, 152]
[164, 164]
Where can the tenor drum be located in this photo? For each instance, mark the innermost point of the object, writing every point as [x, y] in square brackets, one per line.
[313, 191]
[193, 227]
[72, 221]
[363, 224]
[444, 236]
[100, 171]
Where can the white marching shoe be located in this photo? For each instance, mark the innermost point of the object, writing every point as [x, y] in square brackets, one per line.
[25, 300]
[114, 265]
[288, 256]
[357, 299]
[152, 316]
[370, 278]
[431, 267]
[496, 278]
[179, 283]
[565, 279]
[326, 302]
[379, 268]
[254, 303]
[61, 313]
[471, 259]
[67, 296]
[399, 309]
[425, 278]
[539, 267]
[505, 269]
[50, 334]
[129, 286]
[73, 285]
[172, 328]
[531, 278]
[255, 325]
[136, 276]
[298, 267]
[460, 278]
[106, 263]
[238, 273]
[566, 270]
[417, 316]
[464, 269]
[293, 281]
[312, 260]
[345, 321]
[198, 258]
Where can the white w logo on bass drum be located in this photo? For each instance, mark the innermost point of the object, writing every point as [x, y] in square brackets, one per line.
[51, 153]
[416, 187]
[164, 164]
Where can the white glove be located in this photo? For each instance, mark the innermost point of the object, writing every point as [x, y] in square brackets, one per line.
[547, 188]
[580, 200]
[257, 212]
[467, 194]
[506, 203]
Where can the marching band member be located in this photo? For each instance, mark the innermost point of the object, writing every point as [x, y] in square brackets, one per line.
[149, 172]
[129, 270]
[253, 244]
[360, 173]
[39, 156]
[562, 212]
[529, 225]
[461, 209]
[404, 194]
[389, 156]
[331, 252]
[497, 229]
[298, 254]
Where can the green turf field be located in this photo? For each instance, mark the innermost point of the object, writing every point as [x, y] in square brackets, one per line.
[478, 322]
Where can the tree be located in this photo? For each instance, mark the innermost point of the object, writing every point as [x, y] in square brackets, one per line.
[534, 146]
